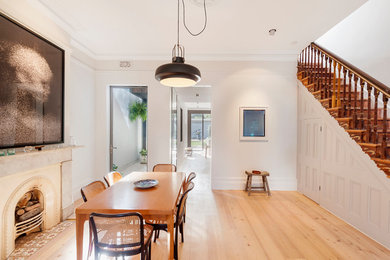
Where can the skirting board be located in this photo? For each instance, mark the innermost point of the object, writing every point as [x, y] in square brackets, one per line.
[238, 183]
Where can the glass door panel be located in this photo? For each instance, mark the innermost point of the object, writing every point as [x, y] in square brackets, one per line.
[199, 128]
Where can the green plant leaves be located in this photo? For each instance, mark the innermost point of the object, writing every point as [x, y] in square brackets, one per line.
[138, 109]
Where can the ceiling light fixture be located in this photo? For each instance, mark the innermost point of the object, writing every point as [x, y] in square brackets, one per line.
[272, 32]
[177, 73]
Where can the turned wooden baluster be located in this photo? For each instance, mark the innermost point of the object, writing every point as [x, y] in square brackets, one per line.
[322, 75]
[312, 65]
[326, 77]
[375, 125]
[361, 103]
[339, 86]
[345, 102]
[309, 64]
[349, 104]
[368, 126]
[355, 109]
[334, 85]
[330, 78]
[384, 126]
[317, 75]
[305, 63]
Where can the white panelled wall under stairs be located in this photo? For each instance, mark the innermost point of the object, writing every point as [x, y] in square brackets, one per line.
[335, 172]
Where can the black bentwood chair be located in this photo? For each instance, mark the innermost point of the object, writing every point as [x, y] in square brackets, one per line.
[121, 235]
[162, 225]
[190, 177]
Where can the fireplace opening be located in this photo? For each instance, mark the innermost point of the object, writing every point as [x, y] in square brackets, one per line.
[28, 213]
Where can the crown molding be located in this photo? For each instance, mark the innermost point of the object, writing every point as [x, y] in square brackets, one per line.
[274, 55]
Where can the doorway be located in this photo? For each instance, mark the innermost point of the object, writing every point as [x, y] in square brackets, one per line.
[199, 129]
[192, 130]
[128, 125]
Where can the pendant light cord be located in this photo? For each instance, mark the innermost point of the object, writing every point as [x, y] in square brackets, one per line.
[178, 22]
[184, 19]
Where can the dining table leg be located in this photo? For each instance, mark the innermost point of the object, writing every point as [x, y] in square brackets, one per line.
[171, 231]
[80, 220]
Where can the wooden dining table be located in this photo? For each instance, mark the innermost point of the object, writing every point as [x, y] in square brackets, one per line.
[158, 202]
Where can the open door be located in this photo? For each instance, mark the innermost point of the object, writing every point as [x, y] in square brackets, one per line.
[128, 121]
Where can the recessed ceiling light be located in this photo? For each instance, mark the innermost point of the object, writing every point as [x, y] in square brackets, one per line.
[272, 32]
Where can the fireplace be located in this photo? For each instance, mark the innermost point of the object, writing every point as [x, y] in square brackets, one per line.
[35, 194]
[29, 213]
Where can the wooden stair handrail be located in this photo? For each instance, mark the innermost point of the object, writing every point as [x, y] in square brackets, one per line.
[367, 78]
[352, 97]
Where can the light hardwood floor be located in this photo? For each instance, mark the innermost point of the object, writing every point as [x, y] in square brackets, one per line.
[230, 225]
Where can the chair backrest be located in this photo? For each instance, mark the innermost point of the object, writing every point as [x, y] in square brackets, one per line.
[191, 176]
[112, 177]
[164, 168]
[91, 190]
[119, 232]
[180, 212]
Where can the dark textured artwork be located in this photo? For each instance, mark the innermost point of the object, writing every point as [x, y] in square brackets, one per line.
[31, 88]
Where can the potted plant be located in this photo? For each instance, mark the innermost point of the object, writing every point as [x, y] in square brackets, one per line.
[144, 156]
[138, 110]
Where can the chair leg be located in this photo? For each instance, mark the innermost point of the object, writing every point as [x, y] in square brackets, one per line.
[182, 232]
[184, 216]
[150, 250]
[176, 243]
[155, 236]
[247, 182]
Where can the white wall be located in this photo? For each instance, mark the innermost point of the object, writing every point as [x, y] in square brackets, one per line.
[125, 132]
[363, 39]
[352, 186]
[158, 125]
[267, 83]
[79, 88]
[81, 123]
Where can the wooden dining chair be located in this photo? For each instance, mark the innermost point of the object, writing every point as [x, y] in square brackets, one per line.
[91, 190]
[164, 168]
[190, 178]
[121, 235]
[112, 177]
[162, 225]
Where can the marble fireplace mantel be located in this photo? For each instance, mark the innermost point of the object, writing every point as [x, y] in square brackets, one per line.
[25, 161]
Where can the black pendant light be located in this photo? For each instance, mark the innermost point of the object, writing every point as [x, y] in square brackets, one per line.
[177, 73]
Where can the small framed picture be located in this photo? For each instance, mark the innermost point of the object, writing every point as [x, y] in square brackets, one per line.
[253, 124]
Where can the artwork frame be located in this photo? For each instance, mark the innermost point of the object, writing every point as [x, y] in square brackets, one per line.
[32, 83]
[254, 123]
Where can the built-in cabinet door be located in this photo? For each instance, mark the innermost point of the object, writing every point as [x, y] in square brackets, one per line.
[310, 169]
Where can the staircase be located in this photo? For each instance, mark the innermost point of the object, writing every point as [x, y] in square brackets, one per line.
[356, 100]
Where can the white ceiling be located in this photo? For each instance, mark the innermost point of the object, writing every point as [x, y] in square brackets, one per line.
[195, 97]
[146, 29]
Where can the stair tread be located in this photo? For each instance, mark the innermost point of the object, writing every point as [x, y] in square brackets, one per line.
[355, 130]
[387, 161]
[369, 144]
[343, 118]
[333, 108]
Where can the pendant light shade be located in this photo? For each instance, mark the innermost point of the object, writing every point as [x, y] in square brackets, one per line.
[178, 74]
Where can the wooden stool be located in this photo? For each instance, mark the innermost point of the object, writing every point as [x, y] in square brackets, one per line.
[263, 175]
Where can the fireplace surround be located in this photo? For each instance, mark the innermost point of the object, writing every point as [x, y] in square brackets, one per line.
[49, 172]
